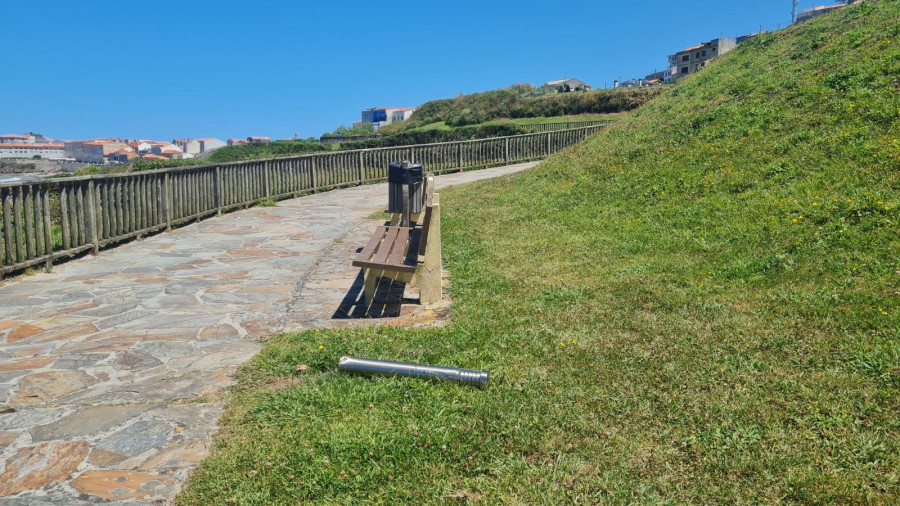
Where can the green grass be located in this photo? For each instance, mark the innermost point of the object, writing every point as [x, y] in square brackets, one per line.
[697, 305]
[518, 101]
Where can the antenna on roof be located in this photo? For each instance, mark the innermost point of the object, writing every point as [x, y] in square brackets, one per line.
[794, 12]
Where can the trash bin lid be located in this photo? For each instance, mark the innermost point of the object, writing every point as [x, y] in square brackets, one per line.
[405, 173]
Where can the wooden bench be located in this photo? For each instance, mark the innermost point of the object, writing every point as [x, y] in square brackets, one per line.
[407, 254]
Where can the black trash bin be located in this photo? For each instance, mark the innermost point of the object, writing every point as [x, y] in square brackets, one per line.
[407, 174]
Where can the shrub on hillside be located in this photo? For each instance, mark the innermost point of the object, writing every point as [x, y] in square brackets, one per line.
[431, 136]
[267, 150]
[519, 102]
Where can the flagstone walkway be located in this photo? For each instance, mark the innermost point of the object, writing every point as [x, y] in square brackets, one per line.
[112, 366]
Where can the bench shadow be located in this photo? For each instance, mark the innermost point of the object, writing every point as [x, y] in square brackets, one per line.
[389, 294]
[389, 298]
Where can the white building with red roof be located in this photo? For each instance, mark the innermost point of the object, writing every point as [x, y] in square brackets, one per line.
[16, 139]
[402, 114]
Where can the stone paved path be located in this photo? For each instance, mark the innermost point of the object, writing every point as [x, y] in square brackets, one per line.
[112, 366]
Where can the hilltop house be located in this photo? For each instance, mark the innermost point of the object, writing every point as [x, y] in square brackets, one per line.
[253, 139]
[568, 84]
[663, 76]
[690, 59]
[402, 114]
[808, 14]
[381, 116]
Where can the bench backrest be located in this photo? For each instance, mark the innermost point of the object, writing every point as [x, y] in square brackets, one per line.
[429, 191]
[426, 223]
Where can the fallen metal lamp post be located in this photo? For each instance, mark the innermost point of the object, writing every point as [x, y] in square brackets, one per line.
[369, 367]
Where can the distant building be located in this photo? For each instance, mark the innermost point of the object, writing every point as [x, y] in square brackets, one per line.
[808, 14]
[85, 151]
[122, 155]
[187, 145]
[402, 114]
[744, 38]
[568, 84]
[141, 147]
[633, 83]
[38, 138]
[237, 142]
[171, 153]
[663, 76]
[17, 139]
[210, 143]
[110, 145]
[165, 149]
[257, 139]
[380, 116]
[46, 151]
[689, 60]
[151, 156]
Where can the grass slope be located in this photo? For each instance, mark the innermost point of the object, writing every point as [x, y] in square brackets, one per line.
[515, 102]
[699, 304]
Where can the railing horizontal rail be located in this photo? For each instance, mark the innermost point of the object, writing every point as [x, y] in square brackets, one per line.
[43, 221]
[562, 125]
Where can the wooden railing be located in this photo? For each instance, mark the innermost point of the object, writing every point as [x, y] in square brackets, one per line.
[334, 139]
[48, 220]
[563, 125]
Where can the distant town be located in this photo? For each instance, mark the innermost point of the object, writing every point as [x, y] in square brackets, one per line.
[110, 150]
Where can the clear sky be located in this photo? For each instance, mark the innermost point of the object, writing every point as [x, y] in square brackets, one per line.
[165, 69]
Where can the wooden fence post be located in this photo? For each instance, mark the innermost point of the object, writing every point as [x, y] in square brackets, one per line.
[92, 217]
[218, 190]
[548, 143]
[459, 154]
[268, 187]
[167, 201]
[362, 174]
[18, 204]
[48, 230]
[506, 150]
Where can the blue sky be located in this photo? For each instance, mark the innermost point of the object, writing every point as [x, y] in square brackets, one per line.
[164, 70]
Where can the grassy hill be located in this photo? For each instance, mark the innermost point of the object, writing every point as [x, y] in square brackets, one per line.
[517, 102]
[697, 305]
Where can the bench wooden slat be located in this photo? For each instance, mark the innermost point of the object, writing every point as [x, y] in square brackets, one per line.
[385, 266]
[398, 251]
[387, 244]
[371, 245]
